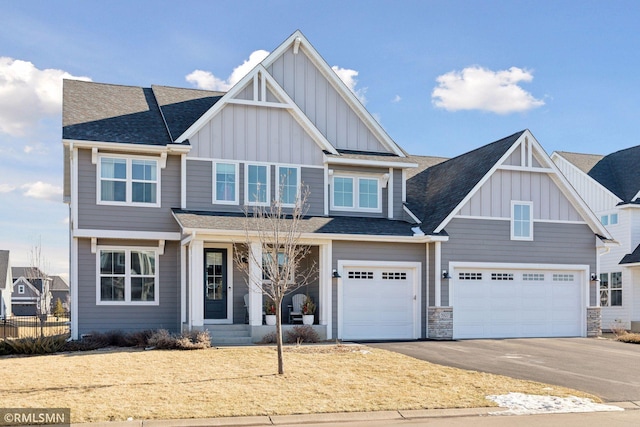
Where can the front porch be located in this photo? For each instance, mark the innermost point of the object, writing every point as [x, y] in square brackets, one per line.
[218, 296]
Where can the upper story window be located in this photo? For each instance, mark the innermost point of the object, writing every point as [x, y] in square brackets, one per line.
[257, 187]
[611, 219]
[288, 185]
[127, 276]
[359, 193]
[128, 181]
[225, 186]
[21, 289]
[521, 221]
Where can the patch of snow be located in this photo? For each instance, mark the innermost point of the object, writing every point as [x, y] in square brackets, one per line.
[527, 404]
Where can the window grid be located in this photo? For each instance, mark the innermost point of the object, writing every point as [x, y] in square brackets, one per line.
[501, 276]
[343, 192]
[127, 276]
[394, 275]
[288, 185]
[127, 181]
[521, 221]
[225, 183]
[563, 277]
[533, 277]
[470, 276]
[257, 184]
[616, 289]
[367, 275]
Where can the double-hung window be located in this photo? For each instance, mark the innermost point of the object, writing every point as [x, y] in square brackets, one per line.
[127, 276]
[288, 185]
[257, 187]
[272, 269]
[128, 181]
[356, 193]
[611, 289]
[225, 185]
[521, 220]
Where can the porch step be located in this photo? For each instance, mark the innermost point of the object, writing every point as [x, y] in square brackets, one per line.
[229, 334]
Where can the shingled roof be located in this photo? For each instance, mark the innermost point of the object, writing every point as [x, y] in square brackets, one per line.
[582, 161]
[619, 173]
[130, 114]
[435, 192]
[318, 225]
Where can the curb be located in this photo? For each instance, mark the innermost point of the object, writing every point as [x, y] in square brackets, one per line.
[335, 417]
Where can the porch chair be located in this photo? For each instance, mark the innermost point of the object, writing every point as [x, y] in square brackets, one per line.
[295, 308]
[246, 308]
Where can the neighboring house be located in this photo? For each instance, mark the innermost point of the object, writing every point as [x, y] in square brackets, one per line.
[31, 291]
[610, 185]
[493, 243]
[59, 291]
[6, 284]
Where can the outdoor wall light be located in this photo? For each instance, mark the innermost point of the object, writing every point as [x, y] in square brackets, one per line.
[594, 277]
[335, 274]
[445, 274]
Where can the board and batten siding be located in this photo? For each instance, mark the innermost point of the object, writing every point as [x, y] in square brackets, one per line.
[494, 198]
[322, 103]
[515, 159]
[200, 187]
[260, 134]
[103, 318]
[596, 196]
[477, 240]
[376, 251]
[91, 215]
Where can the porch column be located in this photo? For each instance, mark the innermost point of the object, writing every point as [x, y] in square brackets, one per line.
[438, 275]
[196, 279]
[325, 282]
[255, 279]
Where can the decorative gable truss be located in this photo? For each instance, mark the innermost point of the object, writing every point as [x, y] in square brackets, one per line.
[526, 176]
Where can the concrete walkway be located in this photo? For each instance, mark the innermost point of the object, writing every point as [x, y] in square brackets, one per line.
[355, 418]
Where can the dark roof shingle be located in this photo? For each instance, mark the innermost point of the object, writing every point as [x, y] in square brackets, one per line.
[619, 173]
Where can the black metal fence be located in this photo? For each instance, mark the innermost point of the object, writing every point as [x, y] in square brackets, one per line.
[33, 326]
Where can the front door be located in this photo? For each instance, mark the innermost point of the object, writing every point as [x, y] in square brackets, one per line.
[215, 283]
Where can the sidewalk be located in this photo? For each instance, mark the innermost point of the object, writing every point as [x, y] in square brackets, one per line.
[282, 420]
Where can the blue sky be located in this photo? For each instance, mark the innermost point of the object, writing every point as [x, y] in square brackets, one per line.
[442, 77]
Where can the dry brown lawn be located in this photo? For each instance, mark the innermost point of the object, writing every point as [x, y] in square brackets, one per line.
[116, 384]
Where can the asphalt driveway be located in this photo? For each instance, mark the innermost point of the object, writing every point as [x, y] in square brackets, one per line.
[606, 368]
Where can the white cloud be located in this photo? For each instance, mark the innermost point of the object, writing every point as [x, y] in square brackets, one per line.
[396, 99]
[349, 78]
[42, 190]
[39, 93]
[477, 88]
[206, 80]
[6, 188]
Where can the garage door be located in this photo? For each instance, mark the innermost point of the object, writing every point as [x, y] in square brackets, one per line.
[491, 303]
[378, 303]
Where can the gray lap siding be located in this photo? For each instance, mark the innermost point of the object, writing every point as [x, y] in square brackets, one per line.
[91, 215]
[102, 318]
[474, 240]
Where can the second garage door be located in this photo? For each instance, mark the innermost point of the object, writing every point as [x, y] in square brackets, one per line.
[495, 303]
[378, 303]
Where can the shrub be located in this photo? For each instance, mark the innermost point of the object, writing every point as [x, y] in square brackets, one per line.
[163, 340]
[300, 334]
[40, 345]
[269, 338]
[630, 338]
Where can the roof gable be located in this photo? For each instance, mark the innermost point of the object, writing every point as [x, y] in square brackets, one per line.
[451, 184]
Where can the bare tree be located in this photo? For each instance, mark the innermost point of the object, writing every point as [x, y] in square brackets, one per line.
[277, 229]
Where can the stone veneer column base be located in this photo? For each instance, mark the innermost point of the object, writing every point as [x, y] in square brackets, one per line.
[440, 323]
[594, 322]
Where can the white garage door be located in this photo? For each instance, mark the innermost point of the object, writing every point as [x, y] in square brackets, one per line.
[378, 303]
[491, 303]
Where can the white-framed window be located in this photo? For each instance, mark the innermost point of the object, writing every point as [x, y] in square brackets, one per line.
[225, 183]
[267, 256]
[288, 185]
[128, 181]
[356, 193]
[257, 184]
[521, 220]
[611, 289]
[127, 276]
[21, 289]
[611, 219]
